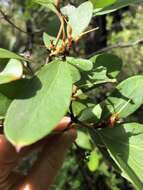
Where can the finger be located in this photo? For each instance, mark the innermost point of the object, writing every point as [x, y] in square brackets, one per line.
[46, 168]
[63, 124]
[9, 158]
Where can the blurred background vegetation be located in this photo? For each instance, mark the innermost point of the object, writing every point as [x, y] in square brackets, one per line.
[120, 33]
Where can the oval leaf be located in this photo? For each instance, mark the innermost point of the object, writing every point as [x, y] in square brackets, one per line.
[82, 17]
[125, 145]
[42, 104]
[126, 98]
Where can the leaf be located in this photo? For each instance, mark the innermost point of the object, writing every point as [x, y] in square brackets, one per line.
[68, 10]
[79, 63]
[40, 106]
[91, 114]
[12, 71]
[82, 17]
[115, 6]
[77, 66]
[47, 3]
[111, 62]
[125, 145]
[12, 89]
[47, 40]
[94, 77]
[93, 162]
[102, 3]
[8, 54]
[77, 107]
[126, 98]
[83, 140]
[4, 104]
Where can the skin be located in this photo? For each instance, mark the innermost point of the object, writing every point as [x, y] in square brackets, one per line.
[42, 174]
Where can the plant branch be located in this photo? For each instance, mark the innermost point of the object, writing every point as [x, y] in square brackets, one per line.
[128, 45]
[6, 18]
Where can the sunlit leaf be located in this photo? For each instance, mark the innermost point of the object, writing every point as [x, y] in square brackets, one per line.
[83, 140]
[115, 6]
[8, 54]
[40, 106]
[12, 71]
[50, 39]
[82, 17]
[46, 3]
[93, 162]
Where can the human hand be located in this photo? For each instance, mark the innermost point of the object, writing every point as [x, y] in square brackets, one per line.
[42, 174]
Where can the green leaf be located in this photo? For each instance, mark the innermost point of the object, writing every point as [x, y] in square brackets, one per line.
[47, 40]
[77, 107]
[68, 10]
[126, 98]
[77, 66]
[111, 62]
[46, 3]
[93, 162]
[4, 104]
[8, 54]
[82, 17]
[83, 140]
[102, 3]
[12, 71]
[115, 6]
[94, 77]
[125, 145]
[12, 89]
[40, 106]
[91, 114]
[79, 63]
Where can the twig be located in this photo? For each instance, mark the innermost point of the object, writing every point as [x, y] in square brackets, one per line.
[131, 44]
[6, 18]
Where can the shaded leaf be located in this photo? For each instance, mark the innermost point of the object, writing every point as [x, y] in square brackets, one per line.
[94, 77]
[40, 106]
[4, 104]
[125, 145]
[126, 98]
[111, 62]
[91, 114]
[12, 89]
